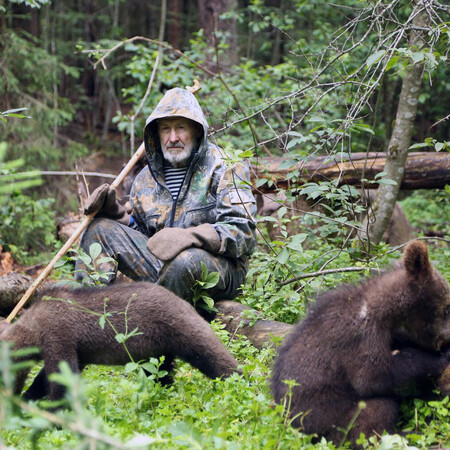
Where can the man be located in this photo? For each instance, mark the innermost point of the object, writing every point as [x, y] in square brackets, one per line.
[187, 207]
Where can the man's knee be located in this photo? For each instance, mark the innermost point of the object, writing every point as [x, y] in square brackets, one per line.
[187, 264]
[100, 227]
[181, 273]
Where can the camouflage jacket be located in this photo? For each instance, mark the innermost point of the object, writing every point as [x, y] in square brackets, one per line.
[212, 192]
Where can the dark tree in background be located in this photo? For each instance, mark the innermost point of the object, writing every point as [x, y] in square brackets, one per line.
[215, 26]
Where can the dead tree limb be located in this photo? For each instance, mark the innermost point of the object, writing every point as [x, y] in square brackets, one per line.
[241, 319]
[12, 287]
[423, 170]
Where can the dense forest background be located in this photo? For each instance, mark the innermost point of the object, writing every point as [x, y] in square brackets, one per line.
[279, 77]
[311, 83]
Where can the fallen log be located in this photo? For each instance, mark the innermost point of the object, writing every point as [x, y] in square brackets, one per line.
[259, 332]
[443, 382]
[12, 287]
[423, 170]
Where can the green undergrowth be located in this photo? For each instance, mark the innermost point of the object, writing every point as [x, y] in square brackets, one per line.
[112, 407]
[136, 411]
[120, 407]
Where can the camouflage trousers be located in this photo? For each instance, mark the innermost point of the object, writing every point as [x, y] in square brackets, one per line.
[127, 247]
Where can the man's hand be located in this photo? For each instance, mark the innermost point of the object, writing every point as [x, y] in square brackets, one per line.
[169, 242]
[103, 200]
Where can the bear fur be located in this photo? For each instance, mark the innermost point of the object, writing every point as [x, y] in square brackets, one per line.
[64, 325]
[362, 343]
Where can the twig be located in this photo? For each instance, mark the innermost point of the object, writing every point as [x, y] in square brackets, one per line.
[323, 272]
[56, 172]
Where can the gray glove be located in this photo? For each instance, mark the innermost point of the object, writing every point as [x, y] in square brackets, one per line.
[169, 242]
[103, 200]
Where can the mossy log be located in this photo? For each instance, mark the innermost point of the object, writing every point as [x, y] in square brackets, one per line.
[241, 319]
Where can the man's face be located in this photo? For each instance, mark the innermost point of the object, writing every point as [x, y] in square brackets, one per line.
[178, 137]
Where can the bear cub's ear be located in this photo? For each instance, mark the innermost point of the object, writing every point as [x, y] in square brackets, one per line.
[416, 261]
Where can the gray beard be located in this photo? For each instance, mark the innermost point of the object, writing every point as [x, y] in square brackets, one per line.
[179, 158]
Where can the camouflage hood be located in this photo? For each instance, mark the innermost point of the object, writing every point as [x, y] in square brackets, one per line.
[175, 103]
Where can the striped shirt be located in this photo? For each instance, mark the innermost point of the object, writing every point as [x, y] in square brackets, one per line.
[174, 177]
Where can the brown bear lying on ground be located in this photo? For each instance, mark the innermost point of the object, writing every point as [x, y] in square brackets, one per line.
[66, 328]
[346, 351]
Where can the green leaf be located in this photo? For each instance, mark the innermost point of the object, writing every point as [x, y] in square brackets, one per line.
[246, 154]
[297, 241]
[287, 164]
[120, 338]
[131, 367]
[372, 59]
[211, 280]
[269, 219]
[94, 250]
[391, 63]
[59, 263]
[380, 175]
[260, 182]
[419, 145]
[418, 57]
[283, 256]
[209, 301]
[204, 271]
[102, 322]
[150, 367]
[387, 181]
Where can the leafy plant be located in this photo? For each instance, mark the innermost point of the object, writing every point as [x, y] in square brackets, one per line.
[200, 298]
[428, 210]
[92, 263]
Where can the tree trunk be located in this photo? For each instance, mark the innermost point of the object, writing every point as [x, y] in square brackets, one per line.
[381, 211]
[209, 12]
[174, 23]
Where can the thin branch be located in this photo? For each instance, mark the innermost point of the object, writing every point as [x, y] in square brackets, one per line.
[323, 272]
[34, 173]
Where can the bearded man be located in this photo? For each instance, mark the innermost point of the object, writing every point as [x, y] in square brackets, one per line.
[187, 207]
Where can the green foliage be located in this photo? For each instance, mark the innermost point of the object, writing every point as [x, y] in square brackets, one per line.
[431, 418]
[433, 143]
[22, 83]
[115, 405]
[428, 210]
[27, 226]
[9, 178]
[95, 265]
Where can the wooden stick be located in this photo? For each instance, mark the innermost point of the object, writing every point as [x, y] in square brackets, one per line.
[86, 221]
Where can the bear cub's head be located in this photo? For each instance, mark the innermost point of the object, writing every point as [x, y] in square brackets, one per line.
[427, 299]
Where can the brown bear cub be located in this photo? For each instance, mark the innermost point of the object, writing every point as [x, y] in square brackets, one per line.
[64, 324]
[347, 349]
